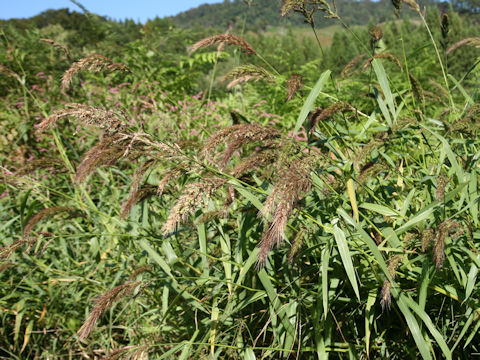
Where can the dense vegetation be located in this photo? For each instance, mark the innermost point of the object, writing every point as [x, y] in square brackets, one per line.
[247, 192]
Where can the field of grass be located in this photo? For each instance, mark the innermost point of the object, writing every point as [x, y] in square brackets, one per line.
[159, 205]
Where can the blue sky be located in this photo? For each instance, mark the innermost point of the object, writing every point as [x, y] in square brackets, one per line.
[116, 9]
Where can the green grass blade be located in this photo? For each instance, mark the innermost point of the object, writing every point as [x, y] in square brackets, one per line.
[324, 270]
[202, 241]
[471, 280]
[429, 324]
[249, 354]
[186, 352]
[383, 81]
[346, 258]
[309, 103]
[380, 209]
[412, 323]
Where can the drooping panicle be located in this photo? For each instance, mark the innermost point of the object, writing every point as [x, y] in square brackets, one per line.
[93, 63]
[228, 39]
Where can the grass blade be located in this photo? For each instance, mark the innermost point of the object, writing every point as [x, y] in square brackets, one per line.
[309, 103]
[346, 258]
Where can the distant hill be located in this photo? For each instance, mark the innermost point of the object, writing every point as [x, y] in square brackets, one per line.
[265, 13]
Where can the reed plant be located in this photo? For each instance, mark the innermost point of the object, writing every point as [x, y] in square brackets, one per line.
[153, 226]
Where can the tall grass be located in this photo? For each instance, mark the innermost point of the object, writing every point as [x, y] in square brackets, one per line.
[150, 226]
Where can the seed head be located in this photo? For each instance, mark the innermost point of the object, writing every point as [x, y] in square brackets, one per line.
[294, 84]
[345, 71]
[93, 63]
[58, 46]
[104, 302]
[471, 41]
[445, 24]
[228, 39]
[246, 73]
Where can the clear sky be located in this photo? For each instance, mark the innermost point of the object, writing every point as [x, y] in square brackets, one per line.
[139, 10]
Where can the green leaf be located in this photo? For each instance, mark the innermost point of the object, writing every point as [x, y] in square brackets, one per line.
[346, 258]
[309, 103]
[325, 261]
[383, 81]
[247, 194]
[471, 280]
[202, 241]
[249, 354]
[380, 209]
[412, 323]
[431, 327]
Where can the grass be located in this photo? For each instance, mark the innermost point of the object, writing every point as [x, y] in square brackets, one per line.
[157, 225]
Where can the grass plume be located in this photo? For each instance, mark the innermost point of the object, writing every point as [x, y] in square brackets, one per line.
[103, 303]
[228, 39]
[93, 63]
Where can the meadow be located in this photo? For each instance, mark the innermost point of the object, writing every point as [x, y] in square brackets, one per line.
[298, 193]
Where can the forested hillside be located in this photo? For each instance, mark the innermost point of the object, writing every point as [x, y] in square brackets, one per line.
[265, 13]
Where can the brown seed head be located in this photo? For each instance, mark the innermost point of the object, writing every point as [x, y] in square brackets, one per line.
[235, 137]
[104, 302]
[444, 229]
[5, 70]
[441, 184]
[293, 181]
[58, 46]
[308, 7]
[246, 73]
[137, 196]
[294, 84]
[194, 196]
[375, 34]
[93, 63]
[87, 115]
[471, 41]
[386, 300]
[320, 114]
[412, 5]
[445, 24]
[45, 213]
[345, 71]
[228, 39]
[393, 264]
[383, 55]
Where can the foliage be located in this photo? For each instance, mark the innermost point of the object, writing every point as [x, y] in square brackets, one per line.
[326, 205]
